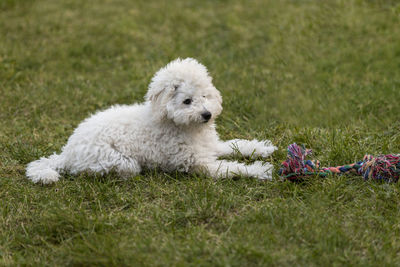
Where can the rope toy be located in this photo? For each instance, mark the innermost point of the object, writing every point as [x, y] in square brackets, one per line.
[383, 168]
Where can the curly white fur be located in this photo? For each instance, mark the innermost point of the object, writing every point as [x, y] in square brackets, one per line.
[172, 130]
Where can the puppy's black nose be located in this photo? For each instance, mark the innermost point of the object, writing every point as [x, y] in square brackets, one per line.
[206, 115]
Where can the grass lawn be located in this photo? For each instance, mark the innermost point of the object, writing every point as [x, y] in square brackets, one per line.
[321, 73]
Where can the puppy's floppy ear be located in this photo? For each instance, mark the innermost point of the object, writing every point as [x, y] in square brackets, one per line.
[158, 95]
[153, 93]
[158, 85]
[157, 90]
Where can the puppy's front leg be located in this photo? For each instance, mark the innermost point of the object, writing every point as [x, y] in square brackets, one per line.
[262, 148]
[228, 169]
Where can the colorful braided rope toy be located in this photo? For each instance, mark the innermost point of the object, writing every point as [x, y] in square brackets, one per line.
[384, 167]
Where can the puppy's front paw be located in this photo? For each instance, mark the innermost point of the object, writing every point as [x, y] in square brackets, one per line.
[265, 148]
[262, 170]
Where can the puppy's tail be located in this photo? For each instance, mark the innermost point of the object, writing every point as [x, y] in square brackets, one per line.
[44, 169]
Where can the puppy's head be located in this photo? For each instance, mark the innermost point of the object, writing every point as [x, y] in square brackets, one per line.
[183, 92]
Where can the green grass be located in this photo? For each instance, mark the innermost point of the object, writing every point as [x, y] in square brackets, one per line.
[322, 73]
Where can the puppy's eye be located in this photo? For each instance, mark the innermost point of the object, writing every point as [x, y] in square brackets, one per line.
[204, 96]
[176, 86]
[187, 101]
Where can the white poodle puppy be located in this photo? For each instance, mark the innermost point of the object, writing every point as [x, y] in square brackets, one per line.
[173, 130]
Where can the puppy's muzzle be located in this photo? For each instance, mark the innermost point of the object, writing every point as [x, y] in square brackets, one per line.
[206, 116]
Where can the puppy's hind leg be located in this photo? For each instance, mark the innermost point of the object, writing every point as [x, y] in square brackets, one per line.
[125, 166]
[128, 167]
